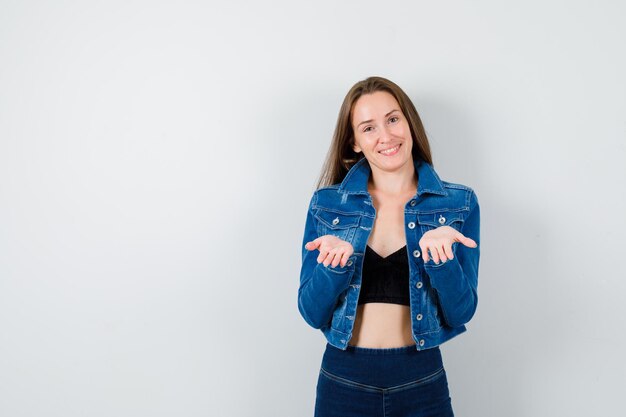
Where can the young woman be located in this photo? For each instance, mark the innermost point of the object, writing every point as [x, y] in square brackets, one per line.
[389, 262]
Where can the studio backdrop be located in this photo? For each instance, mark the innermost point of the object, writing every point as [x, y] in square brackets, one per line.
[157, 159]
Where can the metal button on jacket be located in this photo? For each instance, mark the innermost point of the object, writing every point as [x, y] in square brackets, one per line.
[416, 253]
[442, 219]
[413, 202]
[419, 317]
[411, 225]
[336, 220]
[419, 284]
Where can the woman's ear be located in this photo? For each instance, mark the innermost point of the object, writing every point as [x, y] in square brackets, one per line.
[356, 147]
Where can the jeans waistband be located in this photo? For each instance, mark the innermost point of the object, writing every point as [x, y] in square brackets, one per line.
[381, 366]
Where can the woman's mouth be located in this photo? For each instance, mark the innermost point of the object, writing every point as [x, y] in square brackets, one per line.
[391, 151]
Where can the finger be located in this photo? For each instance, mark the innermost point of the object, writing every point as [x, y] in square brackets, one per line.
[448, 250]
[329, 258]
[459, 237]
[442, 252]
[469, 242]
[347, 252]
[424, 251]
[335, 257]
[323, 253]
[433, 254]
[313, 244]
[338, 254]
[344, 258]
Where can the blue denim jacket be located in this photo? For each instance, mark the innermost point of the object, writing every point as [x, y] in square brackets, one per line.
[443, 297]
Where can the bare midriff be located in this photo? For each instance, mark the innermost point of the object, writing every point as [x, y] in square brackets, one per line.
[385, 325]
[382, 325]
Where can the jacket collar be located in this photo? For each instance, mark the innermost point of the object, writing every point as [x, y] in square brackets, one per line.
[355, 181]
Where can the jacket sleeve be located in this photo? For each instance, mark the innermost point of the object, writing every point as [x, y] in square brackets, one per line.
[320, 286]
[456, 280]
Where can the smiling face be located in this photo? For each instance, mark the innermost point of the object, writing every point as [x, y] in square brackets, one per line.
[381, 131]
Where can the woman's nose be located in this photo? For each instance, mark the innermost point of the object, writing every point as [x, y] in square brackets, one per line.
[385, 134]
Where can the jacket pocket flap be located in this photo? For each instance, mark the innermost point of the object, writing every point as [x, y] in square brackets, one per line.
[440, 218]
[335, 220]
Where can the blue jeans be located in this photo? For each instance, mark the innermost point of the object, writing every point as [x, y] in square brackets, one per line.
[390, 382]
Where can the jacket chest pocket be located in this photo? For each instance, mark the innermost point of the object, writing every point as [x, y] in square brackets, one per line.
[430, 221]
[344, 226]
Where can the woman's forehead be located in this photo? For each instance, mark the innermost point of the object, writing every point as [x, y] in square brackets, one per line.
[375, 105]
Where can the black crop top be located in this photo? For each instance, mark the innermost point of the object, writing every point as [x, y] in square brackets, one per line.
[385, 280]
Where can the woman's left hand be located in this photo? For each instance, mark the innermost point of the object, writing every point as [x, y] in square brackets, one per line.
[439, 242]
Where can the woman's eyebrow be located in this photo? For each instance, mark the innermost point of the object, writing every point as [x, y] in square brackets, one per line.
[368, 121]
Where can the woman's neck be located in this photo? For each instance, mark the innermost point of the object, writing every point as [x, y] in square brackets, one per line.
[401, 182]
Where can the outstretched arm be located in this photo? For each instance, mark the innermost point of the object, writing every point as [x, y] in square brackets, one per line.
[456, 280]
[320, 285]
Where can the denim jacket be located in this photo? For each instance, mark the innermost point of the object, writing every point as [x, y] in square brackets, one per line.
[443, 296]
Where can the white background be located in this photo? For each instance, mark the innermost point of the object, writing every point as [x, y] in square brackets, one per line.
[157, 159]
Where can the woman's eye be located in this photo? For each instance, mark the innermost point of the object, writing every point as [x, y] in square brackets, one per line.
[365, 130]
[392, 118]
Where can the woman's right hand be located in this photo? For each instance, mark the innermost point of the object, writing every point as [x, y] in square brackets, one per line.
[332, 250]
